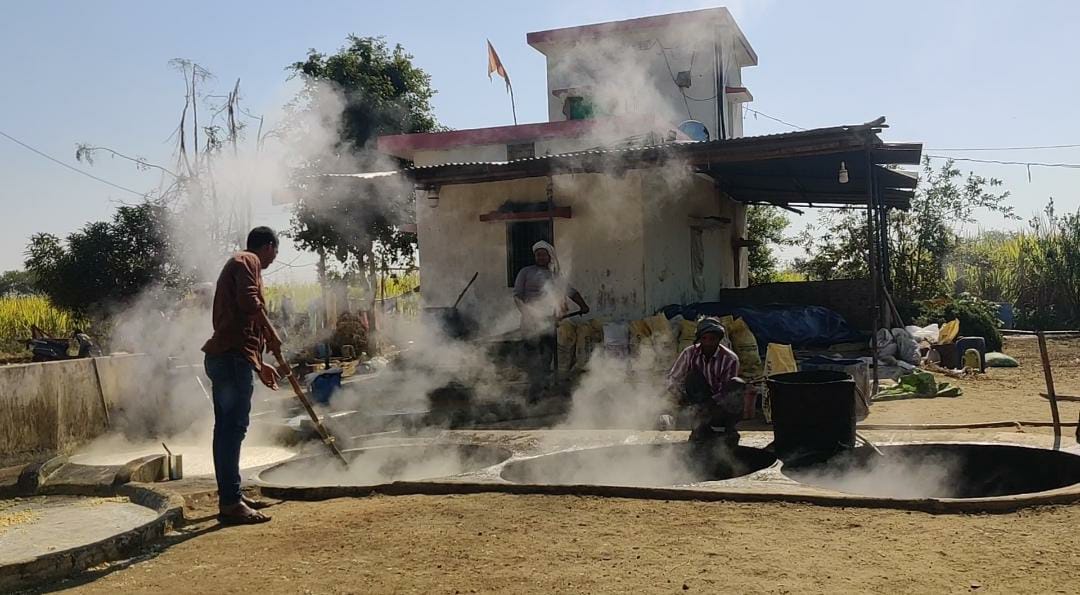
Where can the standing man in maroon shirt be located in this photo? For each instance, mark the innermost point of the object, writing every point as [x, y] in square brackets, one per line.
[242, 332]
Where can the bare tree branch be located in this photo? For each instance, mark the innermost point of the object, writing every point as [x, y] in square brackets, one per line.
[85, 152]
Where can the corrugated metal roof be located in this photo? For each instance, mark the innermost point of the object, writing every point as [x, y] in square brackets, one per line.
[789, 164]
[851, 128]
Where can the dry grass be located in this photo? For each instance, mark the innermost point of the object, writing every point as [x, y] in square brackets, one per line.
[18, 314]
[302, 294]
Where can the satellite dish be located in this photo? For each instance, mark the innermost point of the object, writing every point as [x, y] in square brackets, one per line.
[694, 130]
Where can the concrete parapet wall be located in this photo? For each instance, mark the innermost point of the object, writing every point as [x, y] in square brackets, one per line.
[53, 407]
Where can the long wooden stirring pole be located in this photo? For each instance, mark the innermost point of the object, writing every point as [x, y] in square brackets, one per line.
[325, 435]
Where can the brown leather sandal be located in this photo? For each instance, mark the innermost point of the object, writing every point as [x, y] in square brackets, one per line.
[255, 504]
[255, 518]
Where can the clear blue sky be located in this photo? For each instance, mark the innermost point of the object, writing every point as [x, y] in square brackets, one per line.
[950, 74]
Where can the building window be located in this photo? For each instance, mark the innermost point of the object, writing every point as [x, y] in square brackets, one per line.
[578, 108]
[520, 151]
[520, 237]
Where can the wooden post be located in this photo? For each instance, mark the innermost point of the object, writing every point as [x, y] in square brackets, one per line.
[1045, 354]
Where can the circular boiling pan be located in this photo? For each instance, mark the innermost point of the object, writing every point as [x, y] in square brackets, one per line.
[644, 465]
[384, 464]
[941, 470]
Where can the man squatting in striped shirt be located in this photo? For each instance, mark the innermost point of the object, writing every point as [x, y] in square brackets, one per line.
[705, 385]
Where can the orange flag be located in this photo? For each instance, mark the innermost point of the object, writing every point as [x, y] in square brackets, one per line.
[495, 65]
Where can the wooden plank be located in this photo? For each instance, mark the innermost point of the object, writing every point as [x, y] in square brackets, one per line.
[1061, 397]
[898, 154]
[561, 212]
[897, 198]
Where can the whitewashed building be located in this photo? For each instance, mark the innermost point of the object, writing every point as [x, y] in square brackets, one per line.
[642, 210]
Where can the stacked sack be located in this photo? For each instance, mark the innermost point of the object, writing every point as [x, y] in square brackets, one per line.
[566, 345]
[664, 338]
[687, 332]
[654, 335]
[576, 341]
[745, 345]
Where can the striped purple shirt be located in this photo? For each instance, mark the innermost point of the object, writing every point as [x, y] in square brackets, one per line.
[721, 367]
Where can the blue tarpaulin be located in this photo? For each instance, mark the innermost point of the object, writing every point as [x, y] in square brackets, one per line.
[800, 326]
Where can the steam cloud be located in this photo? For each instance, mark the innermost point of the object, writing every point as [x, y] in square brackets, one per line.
[613, 393]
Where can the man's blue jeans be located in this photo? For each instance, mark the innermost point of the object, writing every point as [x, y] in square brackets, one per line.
[231, 376]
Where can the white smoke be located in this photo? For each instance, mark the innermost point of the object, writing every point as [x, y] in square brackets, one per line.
[174, 400]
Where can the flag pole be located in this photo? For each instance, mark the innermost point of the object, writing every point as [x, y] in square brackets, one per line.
[495, 65]
[513, 108]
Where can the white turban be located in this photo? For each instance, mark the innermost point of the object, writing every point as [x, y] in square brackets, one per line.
[542, 245]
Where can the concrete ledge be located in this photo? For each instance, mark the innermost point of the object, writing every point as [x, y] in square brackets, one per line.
[31, 477]
[1001, 504]
[767, 485]
[54, 407]
[57, 565]
[148, 469]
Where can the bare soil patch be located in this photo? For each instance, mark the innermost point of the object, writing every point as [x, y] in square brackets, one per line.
[501, 543]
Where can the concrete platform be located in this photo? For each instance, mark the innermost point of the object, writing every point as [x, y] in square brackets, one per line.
[77, 516]
[47, 537]
[197, 457]
[32, 527]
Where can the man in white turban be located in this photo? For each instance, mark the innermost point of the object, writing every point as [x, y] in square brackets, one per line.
[541, 295]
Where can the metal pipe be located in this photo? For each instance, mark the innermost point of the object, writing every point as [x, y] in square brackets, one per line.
[875, 307]
[883, 240]
[1018, 424]
[1009, 331]
[550, 191]
[721, 126]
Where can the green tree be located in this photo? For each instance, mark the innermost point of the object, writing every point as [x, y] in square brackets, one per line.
[766, 226]
[16, 283]
[106, 263]
[835, 246]
[921, 239]
[383, 92]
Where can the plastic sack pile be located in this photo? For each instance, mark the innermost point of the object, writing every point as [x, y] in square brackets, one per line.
[654, 340]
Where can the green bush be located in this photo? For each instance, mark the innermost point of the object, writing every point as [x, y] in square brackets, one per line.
[1048, 272]
[978, 317]
[1036, 269]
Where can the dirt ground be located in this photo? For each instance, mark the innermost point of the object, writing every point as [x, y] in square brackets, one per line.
[536, 544]
[1002, 394]
[544, 544]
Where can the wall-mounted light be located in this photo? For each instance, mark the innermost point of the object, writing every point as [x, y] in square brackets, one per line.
[843, 177]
